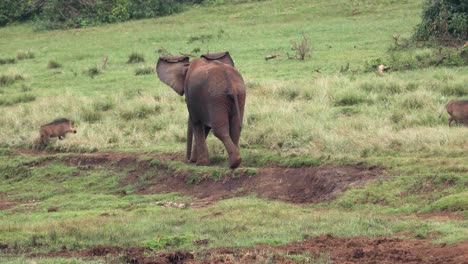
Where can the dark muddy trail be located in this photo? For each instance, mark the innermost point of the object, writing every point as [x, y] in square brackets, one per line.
[326, 248]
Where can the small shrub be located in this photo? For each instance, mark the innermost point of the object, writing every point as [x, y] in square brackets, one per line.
[135, 58]
[52, 64]
[371, 65]
[301, 47]
[92, 72]
[144, 71]
[23, 55]
[445, 21]
[8, 79]
[7, 61]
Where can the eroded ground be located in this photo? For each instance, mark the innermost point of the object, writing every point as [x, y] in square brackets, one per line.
[295, 185]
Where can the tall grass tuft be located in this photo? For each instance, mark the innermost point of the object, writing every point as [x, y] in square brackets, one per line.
[16, 99]
[135, 58]
[90, 115]
[10, 78]
[7, 61]
[92, 72]
[106, 104]
[24, 55]
[138, 112]
[144, 71]
[53, 64]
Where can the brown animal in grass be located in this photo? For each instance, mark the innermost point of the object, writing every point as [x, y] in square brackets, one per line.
[57, 128]
[458, 111]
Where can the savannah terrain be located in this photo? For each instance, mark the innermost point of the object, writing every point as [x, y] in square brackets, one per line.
[340, 164]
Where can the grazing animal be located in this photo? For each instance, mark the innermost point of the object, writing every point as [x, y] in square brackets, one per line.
[57, 128]
[215, 96]
[458, 111]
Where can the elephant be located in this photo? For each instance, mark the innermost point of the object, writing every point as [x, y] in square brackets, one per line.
[215, 96]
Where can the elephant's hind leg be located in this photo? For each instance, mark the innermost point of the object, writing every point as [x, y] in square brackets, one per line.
[201, 149]
[223, 133]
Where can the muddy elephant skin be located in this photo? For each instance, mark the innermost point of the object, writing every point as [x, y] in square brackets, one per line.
[215, 96]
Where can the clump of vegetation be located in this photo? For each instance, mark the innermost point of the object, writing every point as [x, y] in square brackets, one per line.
[350, 98]
[16, 99]
[92, 72]
[205, 39]
[104, 105]
[7, 61]
[144, 71]
[7, 79]
[135, 58]
[415, 58]
[443, 21]
[53, 64]
[302, 47]
[24, 55]
[90, 115]
[140, 112]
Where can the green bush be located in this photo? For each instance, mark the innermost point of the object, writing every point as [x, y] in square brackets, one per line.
[445, 21]
[77, 13]
[17, 10]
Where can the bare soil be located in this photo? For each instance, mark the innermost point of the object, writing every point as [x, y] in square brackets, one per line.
[295, 185]
[328, 249]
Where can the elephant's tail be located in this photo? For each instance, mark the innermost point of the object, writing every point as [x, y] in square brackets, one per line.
[189, 139]
[236, 102]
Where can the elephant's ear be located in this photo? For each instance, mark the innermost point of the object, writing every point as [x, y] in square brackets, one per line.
[171, 70]
[223, 57]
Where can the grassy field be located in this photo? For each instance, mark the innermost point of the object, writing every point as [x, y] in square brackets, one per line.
[328, 109]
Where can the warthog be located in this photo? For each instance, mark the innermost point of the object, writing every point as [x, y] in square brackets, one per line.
[57, 128]
[458, 111]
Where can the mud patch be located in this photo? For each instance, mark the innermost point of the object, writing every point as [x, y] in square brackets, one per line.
[5, 205]
[330, 249]
[295, 185]
[134, 255]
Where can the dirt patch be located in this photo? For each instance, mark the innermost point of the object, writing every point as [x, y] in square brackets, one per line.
[5, 205]
[134, 255]
[295, 185]
[384, 250]
[348, 250]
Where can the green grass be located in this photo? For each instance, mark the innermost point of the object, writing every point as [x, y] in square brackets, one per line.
[298, 113]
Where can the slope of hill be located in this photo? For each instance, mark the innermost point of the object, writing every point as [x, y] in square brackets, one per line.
[371, 155]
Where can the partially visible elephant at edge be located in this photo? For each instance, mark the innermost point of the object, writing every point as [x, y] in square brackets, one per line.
[215, 96]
